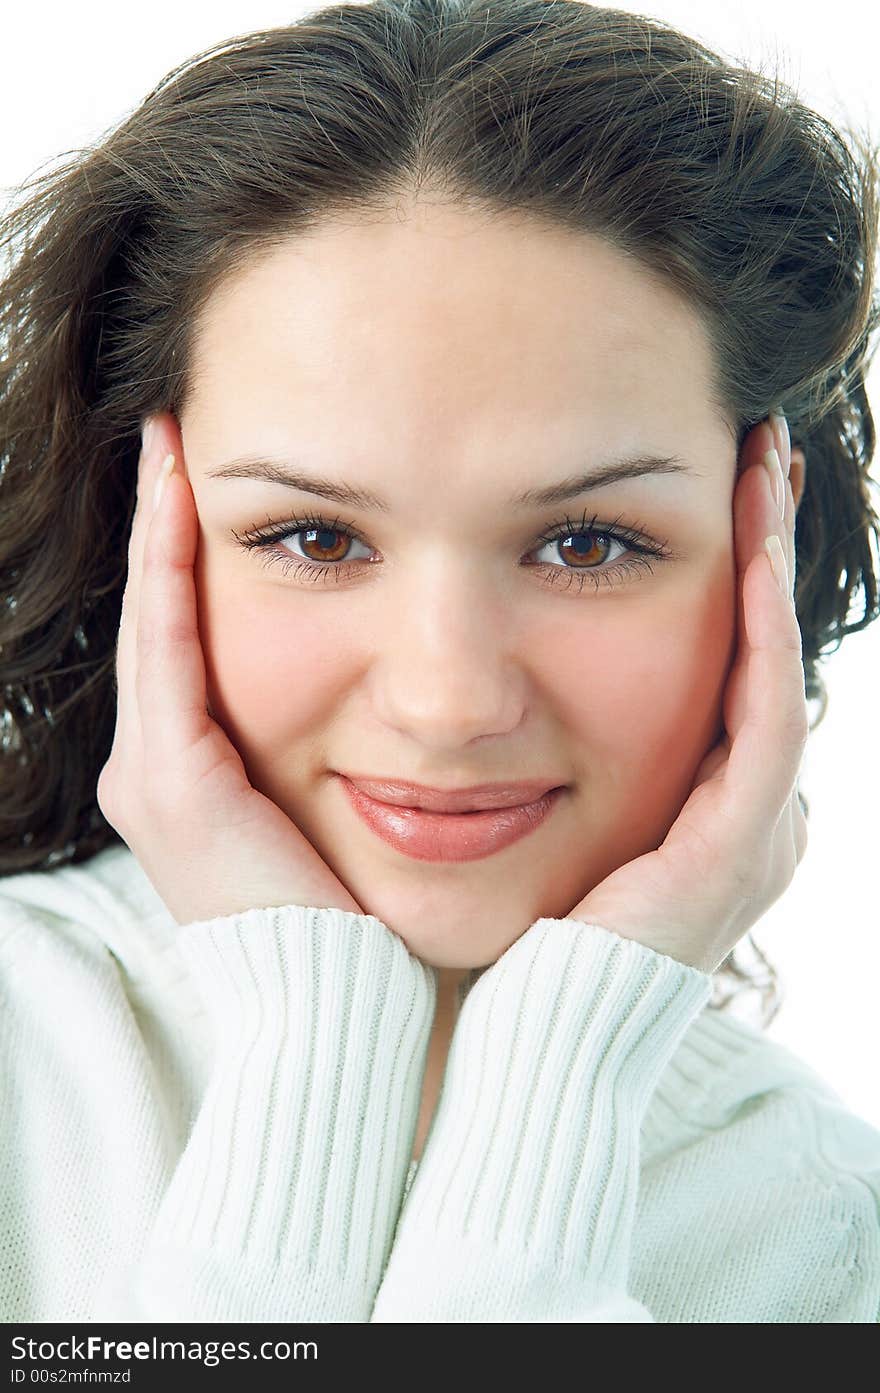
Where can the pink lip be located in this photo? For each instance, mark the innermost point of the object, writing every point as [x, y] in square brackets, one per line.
[475, 798]
[437, 836]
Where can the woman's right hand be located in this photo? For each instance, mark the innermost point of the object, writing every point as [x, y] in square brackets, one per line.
[174, 787]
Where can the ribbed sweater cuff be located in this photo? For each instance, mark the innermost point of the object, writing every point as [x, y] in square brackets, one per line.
[284, 1201]
[523, 1203]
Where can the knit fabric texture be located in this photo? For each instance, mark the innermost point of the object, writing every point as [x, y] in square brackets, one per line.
[214, 1122]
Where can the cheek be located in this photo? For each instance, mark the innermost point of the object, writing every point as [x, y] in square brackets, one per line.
[268, 663]
[642, 690]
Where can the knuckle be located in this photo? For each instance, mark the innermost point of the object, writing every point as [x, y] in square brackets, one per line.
[164, 638]
[746, 877]
[132, 547]
[105, 793]
[154, 554]
[105, 780]
[796, 725]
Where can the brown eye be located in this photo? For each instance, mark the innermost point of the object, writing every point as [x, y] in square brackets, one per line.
[583, 548]
[323, 543]
[584, 552]
[579, 557]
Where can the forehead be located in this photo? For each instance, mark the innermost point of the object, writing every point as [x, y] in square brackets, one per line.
[437, 329]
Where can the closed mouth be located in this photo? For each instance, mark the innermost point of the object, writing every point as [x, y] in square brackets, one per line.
[476, 798]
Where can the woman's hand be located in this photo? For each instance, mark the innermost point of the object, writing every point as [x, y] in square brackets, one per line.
[735, 846]
[174, 786]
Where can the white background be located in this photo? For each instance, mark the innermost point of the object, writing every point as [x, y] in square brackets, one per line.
[71, 73]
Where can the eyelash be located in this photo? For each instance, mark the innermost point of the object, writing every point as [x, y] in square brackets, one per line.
[646, 549]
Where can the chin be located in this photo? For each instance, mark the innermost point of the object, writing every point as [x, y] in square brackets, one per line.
[450, 940]
[437, 956]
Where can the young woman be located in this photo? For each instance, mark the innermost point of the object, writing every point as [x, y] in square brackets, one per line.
[383, 808]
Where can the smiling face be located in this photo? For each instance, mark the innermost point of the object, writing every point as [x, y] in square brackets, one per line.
[447, 364]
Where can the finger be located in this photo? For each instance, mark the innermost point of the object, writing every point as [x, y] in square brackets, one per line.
[754, 515]
[755, 510]
[800, 829]
[785, 849]
[792, 844]
[170, 678]
[779, 426]
[768, 749]
[788, 531]
[127, 733]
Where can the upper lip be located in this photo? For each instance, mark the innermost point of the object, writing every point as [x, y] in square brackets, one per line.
[454, 800]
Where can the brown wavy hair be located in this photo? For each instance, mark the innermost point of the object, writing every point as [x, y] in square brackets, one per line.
[757, 210]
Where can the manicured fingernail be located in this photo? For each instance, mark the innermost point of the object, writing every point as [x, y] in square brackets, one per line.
[167, 467]
[774, 469]
[779, 426]
[147, 433]
[773, 548]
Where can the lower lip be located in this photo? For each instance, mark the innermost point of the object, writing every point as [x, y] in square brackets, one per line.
[450, 836]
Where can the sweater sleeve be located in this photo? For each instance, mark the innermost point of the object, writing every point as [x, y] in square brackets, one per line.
[283, 1203]
[523, 1205]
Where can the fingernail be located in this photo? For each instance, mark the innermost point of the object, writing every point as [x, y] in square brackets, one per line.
[779, 426]
[773, 548]
[147, 433]
[774, 469]
[167, 467]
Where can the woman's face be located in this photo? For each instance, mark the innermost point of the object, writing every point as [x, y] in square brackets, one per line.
[447, 364]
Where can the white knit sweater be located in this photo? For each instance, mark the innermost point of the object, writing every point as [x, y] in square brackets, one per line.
[213, 1122]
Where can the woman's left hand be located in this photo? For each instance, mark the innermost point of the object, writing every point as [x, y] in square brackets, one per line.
[737, 842]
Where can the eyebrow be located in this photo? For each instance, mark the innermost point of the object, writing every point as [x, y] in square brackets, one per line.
[280, 471]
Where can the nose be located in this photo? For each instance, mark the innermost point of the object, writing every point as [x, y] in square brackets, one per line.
[446, 673]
